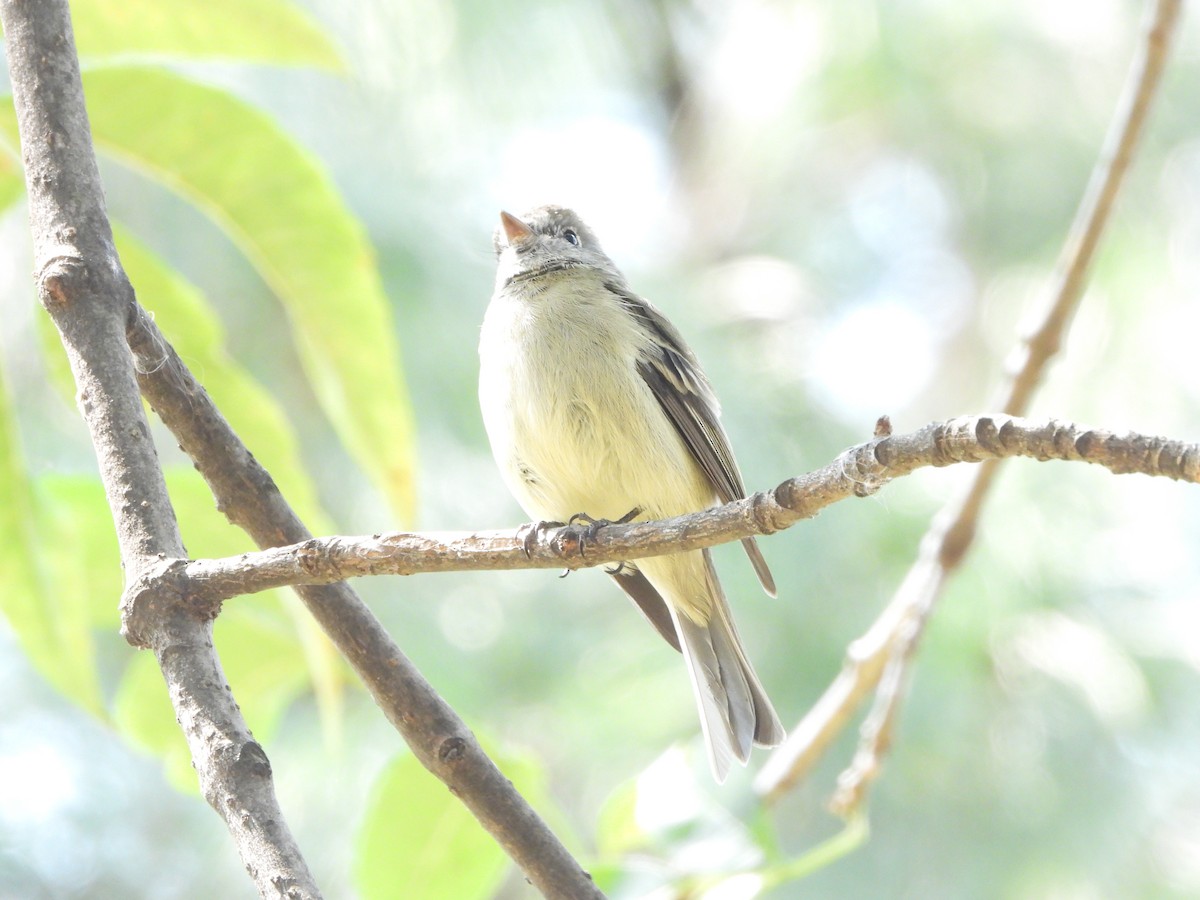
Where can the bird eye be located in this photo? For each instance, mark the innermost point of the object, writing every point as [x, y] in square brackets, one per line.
[571, 237]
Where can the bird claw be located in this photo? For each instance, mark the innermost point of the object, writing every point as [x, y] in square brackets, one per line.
[529, 533]
[592, 526]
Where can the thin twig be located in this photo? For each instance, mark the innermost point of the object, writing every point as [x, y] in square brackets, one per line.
[868, 465]
[83, 287]
[892, 636]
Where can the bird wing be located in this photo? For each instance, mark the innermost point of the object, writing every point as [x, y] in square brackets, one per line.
[673, 374]
[639, 589]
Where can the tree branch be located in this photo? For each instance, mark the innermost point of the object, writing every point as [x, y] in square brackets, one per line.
[892, 639]
[856, 472]
[248, 497]
[82, 286]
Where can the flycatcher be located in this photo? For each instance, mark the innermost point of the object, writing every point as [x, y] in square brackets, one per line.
[594, 405]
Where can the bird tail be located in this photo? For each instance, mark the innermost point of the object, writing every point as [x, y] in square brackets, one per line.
[734, 710]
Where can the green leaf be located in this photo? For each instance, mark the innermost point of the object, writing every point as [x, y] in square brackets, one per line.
[21, 584]
[81, 554]
[260, 656]
[187, 322]
[69, 582]
[265, 31]
[418, 840]
[280, 208]
[617, 829]
[47, 541]
[185, 319]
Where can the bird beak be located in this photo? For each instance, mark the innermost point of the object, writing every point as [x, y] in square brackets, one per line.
[516, 231]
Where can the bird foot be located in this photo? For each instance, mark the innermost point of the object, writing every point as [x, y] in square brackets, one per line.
[529, 533]
[592, 526]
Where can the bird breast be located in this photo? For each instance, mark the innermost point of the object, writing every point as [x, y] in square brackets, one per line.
[573, 425]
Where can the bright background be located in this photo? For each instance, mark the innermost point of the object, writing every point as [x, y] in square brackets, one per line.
[849, 209]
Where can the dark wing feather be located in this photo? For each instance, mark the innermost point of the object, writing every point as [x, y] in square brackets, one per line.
[671, 371]
[648, 600]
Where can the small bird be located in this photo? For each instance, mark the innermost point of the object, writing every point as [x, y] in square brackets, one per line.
[595, 406]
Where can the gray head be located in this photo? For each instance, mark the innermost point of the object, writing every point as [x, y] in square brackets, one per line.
[546, 240]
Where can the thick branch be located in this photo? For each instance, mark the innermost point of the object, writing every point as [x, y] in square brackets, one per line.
[246, 494]
[869, 466]
[892, 638]
[78, 275]
[82, 286]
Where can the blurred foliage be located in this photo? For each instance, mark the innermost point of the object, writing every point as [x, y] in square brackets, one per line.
[849, 209]
[434, 849]
[266, 31]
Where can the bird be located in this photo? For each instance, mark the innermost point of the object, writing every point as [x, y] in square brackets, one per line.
[596, 408]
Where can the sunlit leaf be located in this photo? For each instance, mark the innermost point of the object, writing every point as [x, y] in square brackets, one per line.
[617, 830]
[266, 31]
[197, 335]
[260, 657]
[81, 556]
[47, 540]
[195, 332]
[418, 840]
[280, 207]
